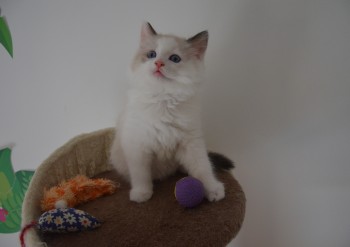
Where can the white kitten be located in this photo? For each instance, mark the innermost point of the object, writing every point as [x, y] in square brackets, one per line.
[159, 129]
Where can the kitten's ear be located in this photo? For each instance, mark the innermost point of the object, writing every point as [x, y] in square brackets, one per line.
[147, 31]
[199, 43]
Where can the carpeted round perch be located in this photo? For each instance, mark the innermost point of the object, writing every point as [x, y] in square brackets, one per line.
[161, 221]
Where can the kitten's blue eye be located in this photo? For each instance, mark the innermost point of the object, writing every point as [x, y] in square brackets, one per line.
[175, 58]
[151, 54]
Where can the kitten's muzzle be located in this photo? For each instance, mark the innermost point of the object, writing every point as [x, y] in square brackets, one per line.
[159, 64]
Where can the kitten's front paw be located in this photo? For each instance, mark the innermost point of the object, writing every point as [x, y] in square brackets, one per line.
[140, 194]
[215, 192]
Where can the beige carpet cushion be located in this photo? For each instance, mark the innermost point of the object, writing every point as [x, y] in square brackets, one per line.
[159, 222]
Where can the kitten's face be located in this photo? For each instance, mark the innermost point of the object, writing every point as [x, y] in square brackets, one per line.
[167, 58]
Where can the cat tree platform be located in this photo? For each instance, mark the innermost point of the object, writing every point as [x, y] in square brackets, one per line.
[161, 221]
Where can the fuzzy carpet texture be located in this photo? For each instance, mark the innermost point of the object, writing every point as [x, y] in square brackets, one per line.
[161, 221]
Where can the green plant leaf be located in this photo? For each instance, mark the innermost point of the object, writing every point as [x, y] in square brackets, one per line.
[23, 178]
[13, 187]
[5, 36]
[7, 175]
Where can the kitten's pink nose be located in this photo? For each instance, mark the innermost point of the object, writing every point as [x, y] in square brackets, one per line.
[159, 63]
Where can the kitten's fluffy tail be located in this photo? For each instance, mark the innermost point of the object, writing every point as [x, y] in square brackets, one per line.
[220, 161]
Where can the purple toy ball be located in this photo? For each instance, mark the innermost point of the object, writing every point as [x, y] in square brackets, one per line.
[189, 192]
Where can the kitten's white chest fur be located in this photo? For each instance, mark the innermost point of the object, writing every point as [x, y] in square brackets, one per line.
[159, 128]
[163, 121]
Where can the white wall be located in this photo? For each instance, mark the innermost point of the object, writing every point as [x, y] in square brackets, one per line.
[277, 97]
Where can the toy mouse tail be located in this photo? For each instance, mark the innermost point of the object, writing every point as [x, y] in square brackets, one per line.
[24, 230]
[220, 161]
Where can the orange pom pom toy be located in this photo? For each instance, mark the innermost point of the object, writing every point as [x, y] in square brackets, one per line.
[75, 191]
